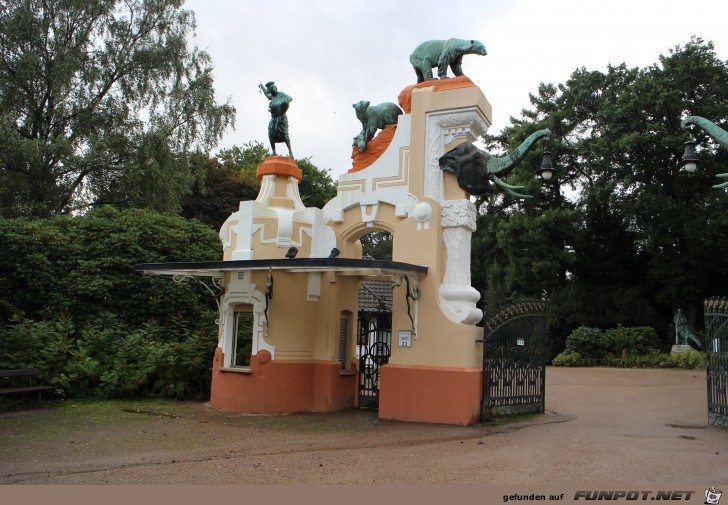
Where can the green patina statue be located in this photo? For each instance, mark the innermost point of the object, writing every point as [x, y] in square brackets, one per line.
[443, 54]
[373, 118]
[682, 330]
[715, 131]
[476, 170]
[277, 106]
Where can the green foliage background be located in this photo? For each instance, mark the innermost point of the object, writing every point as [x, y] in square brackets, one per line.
[621, 236]
[73, 306]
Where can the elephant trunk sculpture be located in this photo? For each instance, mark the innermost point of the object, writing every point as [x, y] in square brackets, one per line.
[476, 170]
[715, 131]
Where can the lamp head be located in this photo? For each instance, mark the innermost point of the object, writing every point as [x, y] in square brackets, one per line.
[546, 170]
[690, 158]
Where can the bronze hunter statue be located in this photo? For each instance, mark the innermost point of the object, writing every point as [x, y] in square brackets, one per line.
[277, 106]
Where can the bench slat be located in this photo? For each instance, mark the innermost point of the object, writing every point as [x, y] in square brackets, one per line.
[21, 389]
[19, 373]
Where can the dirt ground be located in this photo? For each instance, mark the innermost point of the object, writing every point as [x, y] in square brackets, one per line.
[601, 425]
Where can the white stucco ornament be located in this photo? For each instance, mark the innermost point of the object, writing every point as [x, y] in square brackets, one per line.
[458, 213]
[422, 213]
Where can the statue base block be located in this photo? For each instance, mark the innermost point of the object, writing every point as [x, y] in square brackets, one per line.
[281, 166]
[679, 349]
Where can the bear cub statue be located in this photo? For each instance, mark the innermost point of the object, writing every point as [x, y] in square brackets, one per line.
[373, 118]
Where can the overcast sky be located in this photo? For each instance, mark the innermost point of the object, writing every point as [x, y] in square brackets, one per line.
[329, 54]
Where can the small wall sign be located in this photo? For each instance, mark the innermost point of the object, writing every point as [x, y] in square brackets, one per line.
[520, 341]
[405, 338]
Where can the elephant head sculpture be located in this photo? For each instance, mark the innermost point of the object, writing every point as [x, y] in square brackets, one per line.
[476, 170]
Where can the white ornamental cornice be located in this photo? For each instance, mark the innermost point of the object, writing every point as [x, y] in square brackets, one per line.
[442, 129]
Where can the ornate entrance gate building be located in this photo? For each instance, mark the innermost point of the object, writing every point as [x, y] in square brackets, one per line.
[289, 313]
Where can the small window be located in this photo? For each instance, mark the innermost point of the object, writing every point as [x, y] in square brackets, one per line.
[243, 338]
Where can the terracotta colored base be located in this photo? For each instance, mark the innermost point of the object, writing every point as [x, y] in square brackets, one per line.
[279, 165]
[282, 386]
[405, 97]
[430, 394]
[375, 148]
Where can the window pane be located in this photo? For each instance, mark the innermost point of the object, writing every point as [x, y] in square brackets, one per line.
[243, 345]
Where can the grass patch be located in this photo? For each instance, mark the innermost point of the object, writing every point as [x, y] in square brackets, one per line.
[58, 416]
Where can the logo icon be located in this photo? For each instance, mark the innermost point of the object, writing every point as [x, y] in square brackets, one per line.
[712, 495]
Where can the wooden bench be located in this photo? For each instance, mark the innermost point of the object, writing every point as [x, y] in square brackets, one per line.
[30, 373]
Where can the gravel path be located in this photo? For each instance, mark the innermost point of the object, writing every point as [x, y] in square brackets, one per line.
[601, 425]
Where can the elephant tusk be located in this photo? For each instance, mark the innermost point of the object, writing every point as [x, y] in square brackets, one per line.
[509, 187]
[504, 185]
[723, 184]
[517, 195]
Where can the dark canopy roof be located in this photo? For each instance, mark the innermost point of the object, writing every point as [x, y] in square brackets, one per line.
[303, 265]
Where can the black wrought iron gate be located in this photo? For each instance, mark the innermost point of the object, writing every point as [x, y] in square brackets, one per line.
[716, 349]
[375, 344]
[514, 361]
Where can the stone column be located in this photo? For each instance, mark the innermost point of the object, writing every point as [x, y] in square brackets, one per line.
[457, 296]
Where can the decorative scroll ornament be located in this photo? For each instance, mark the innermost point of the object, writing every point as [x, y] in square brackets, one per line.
[210, 286]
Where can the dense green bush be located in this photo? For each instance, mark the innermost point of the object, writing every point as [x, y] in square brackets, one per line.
[624, 347]
[651, 359]
[587, 342]
[631, 340]
[84, 266]
[72, 305]
[690, 359]
[568, 359]
[599, 346]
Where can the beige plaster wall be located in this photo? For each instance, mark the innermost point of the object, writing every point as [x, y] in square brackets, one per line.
[424, 101]
[338, 293]
[439, 341]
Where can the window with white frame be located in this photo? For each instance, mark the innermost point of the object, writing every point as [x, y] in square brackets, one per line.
[243, 335]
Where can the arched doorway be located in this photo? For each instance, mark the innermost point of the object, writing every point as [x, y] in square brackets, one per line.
[374, 335]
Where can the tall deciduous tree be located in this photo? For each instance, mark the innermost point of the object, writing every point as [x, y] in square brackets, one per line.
[317, 187]
[100, 100]
[219, 195]
[648, 237]
[231, 178]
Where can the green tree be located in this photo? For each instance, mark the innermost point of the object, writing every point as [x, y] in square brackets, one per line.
[245, 159]
[646, 237]
[230, 178]
[317, 186]
[378, 245]
[220, 191]
[72, 305]
[100, 100]
[83, 266]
